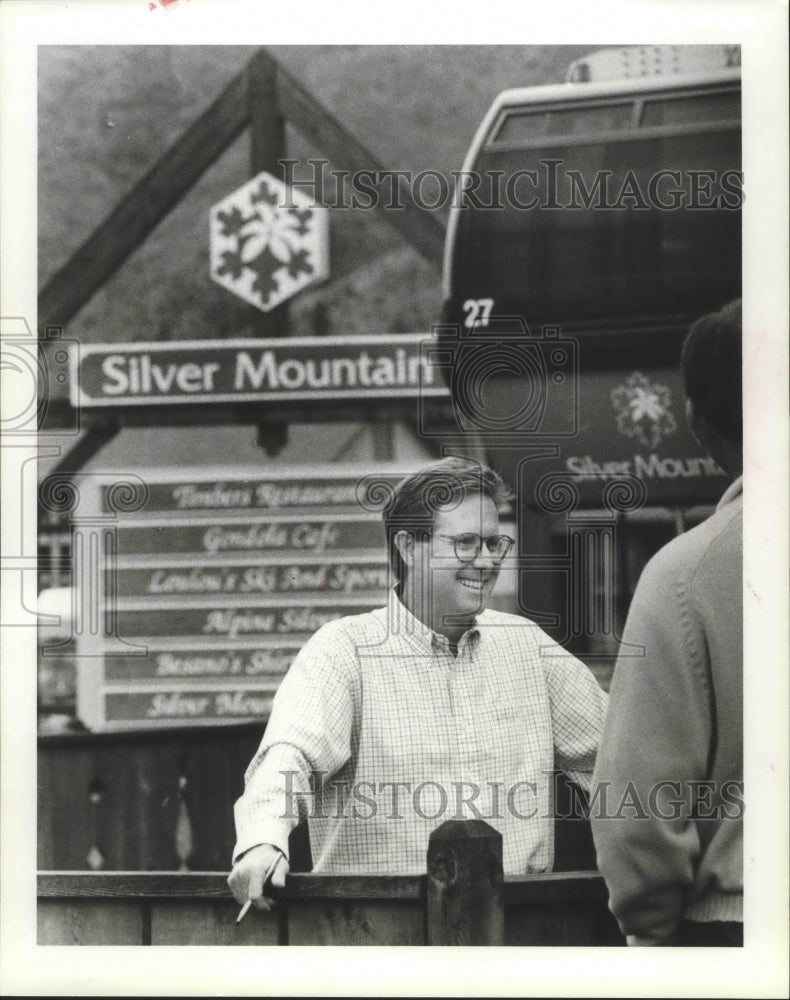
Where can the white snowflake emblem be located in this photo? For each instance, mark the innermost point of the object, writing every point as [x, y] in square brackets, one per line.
[644, 410]
[268, 242]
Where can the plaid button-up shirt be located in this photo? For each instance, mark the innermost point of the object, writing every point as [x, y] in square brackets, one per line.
[379, 733]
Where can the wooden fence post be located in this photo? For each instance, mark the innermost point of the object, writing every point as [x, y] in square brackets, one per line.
[465, 898]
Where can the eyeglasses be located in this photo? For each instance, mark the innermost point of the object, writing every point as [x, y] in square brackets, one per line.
[469, 546]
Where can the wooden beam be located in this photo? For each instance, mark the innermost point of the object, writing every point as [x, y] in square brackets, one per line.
[144, 206]
[307, 885]
[419, 226]
[133, 884]
[549, 887]
[437, 413]
[212, 885]
[190, 156]
[463, 900]
[267, 148]
[555, 887]
[83, 448]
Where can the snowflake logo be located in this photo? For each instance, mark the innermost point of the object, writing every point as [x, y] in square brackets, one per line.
[643, 410]
[268, 242]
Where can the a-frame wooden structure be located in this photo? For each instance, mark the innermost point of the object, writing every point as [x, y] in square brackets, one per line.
[261, 98]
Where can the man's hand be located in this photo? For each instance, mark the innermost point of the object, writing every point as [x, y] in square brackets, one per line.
[247, 878]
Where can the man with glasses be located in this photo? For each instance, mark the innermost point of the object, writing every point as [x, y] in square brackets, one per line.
[432, 708]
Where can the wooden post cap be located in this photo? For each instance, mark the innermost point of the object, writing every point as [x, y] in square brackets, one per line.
[465, 899]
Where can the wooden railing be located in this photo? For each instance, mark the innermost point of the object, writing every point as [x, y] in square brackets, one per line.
[462, 900]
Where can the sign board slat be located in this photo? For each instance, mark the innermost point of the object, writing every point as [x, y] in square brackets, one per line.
[232, 622]
[191, 706]
[259, 535]
[249, 493]
[192, 664]
[248, 578]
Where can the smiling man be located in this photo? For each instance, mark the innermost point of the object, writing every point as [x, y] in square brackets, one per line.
[432, 708]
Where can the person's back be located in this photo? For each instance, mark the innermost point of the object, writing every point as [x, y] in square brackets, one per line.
[667, 788]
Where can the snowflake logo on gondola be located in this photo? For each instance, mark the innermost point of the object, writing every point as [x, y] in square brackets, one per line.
[644, 410]
[268, 242]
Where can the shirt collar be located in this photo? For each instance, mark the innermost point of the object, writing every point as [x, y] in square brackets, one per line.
[403, 622]
[733, 491]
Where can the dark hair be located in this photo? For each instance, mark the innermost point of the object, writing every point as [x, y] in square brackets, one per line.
[711, 365]
[442, 484]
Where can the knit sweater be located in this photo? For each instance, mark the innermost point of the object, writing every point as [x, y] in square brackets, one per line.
[667, 800]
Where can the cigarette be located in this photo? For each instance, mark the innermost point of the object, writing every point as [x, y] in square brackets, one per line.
[269, 872]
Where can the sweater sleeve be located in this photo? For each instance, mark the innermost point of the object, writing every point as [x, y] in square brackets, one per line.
[655, 742]
[309, 734]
